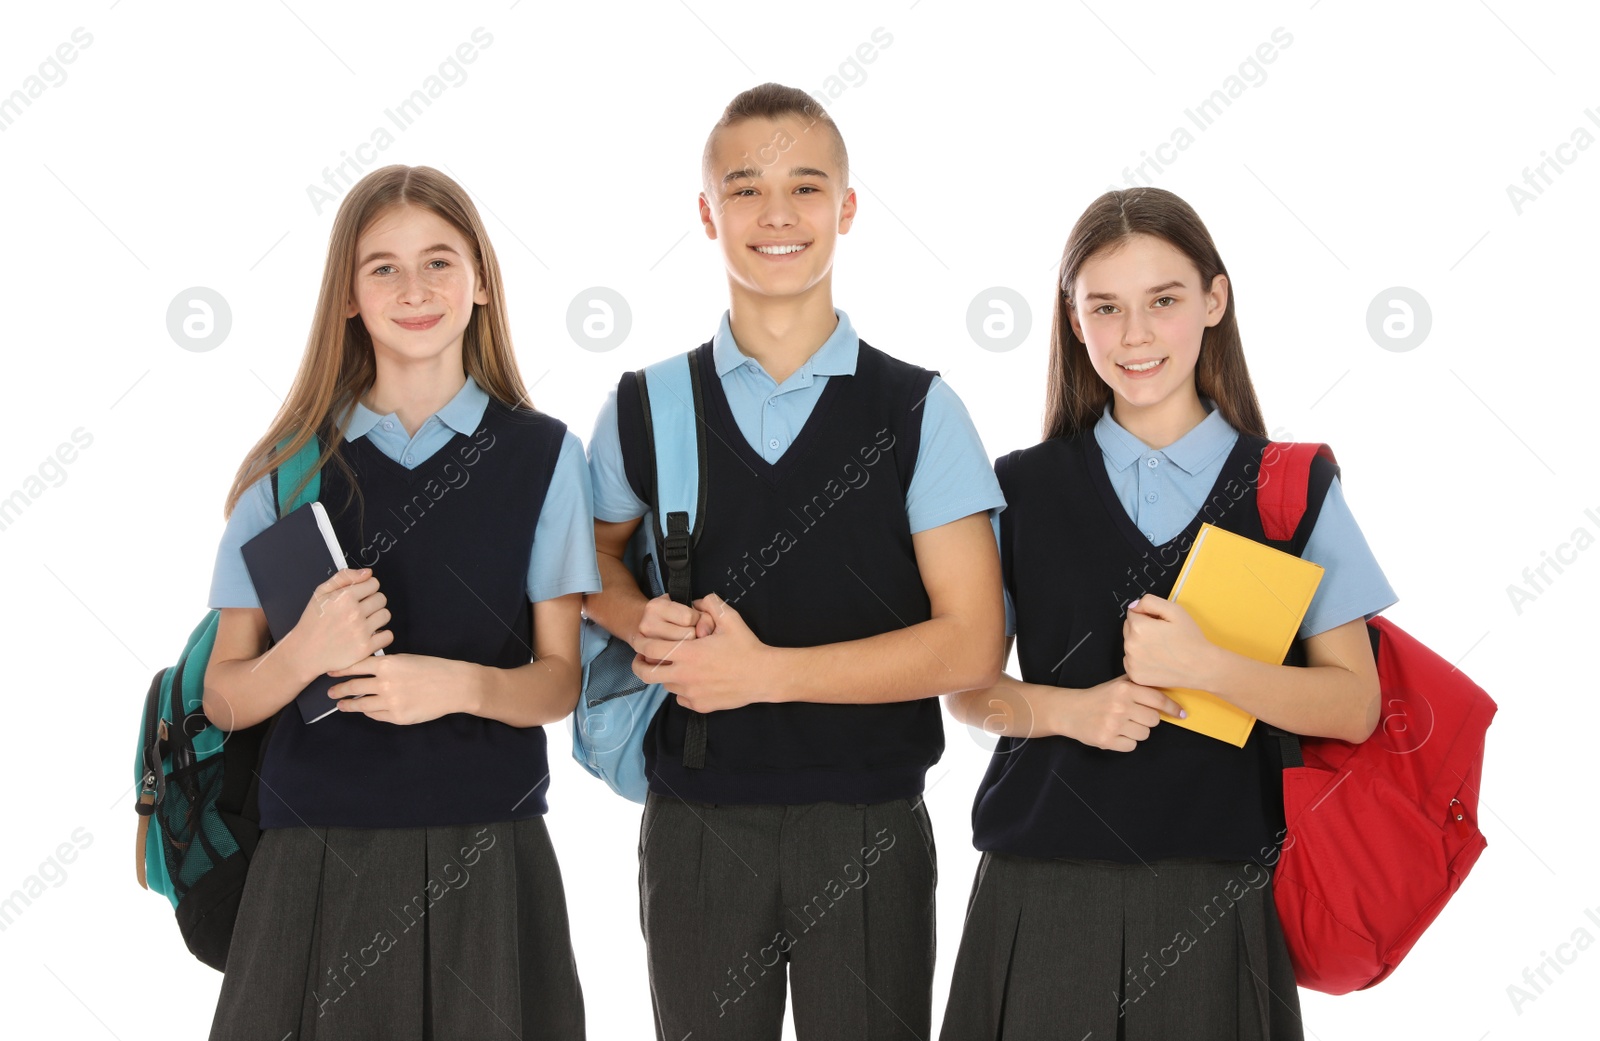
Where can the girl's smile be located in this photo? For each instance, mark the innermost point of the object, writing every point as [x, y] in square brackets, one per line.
[416, 286]
[1140, 311]
[1141, 369]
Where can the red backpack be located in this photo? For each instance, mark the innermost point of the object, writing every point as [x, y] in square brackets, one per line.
[1380, 834]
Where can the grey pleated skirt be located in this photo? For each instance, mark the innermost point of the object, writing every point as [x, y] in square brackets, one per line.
[1070, 949]
[402, 933]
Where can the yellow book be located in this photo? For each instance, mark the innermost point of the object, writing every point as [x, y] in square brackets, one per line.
[1248, 598]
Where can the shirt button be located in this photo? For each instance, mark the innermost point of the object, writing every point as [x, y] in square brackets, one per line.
[1151, 497]
[388, 425]
[773, 443]
[408, 460]
[1151, 462]
[772, 401]
[1150, 535]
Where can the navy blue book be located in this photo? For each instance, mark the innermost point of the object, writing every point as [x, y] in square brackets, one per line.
[287, 562]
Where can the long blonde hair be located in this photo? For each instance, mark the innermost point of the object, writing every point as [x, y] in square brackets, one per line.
[338, 365]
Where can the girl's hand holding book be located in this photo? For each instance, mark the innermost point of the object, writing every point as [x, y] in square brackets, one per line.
[342, 623]
[1162, 646]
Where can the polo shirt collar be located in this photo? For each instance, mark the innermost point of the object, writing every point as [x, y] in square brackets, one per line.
[836, 356]
[1120, 448]
[462, 413]
[1211, 437]
[1190, 453]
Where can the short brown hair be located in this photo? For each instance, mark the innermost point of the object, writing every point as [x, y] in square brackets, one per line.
[774, 101]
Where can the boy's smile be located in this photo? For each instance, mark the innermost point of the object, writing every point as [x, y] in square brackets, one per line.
[776, 199]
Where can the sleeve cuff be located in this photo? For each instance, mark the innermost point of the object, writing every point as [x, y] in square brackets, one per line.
[955, 512]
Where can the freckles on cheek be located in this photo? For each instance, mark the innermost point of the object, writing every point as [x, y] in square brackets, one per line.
[369, 296]
[451, 283]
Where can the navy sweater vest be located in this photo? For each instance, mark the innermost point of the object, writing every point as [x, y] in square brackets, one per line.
[813, 549]
[1073, 559]
[449, 543]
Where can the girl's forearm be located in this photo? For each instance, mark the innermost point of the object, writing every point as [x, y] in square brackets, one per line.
[1315, 700]
[243, 692]
[540, 692]
[620, 604]
[1010, 708]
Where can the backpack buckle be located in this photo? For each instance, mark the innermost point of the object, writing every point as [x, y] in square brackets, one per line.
[675, 543]
[147, 794]
[675, 549]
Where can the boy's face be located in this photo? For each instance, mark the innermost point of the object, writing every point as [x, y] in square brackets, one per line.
[776, 199]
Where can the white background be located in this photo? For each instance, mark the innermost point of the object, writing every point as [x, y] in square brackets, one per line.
[1375, 153]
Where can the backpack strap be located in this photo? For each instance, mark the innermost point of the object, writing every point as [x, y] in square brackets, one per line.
[673, 405]
[154, 788]
[1281, 489]
[1282, 485]
[287, 474]
[671, 398]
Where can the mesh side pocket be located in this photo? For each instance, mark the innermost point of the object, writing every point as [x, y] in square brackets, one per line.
[194, 838]
[611, 674]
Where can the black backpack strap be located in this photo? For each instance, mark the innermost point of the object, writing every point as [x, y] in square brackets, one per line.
[694, 734]
[1288, 747]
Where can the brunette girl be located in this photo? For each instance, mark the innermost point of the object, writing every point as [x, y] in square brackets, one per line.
[1125, 886]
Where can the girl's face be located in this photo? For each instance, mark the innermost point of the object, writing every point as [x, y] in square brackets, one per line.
[415, 284]
[1141, 310]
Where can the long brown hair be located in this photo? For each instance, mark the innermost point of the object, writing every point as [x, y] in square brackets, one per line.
[1075, 395]
[338, 365]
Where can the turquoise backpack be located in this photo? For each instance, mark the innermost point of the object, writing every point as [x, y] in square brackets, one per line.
[198, 822]
[616, 707]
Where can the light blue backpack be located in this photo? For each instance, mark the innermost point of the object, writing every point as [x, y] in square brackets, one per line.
[616, 707]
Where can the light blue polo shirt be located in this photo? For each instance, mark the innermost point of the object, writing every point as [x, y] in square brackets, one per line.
[952, 477]
[563, 558]
[1163, 488]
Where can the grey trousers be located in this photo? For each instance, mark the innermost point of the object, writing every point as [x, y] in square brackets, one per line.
[741, 903]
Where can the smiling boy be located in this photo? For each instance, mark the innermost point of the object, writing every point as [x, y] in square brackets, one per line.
[846, 575]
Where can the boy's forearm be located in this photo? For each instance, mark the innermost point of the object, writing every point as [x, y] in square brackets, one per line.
[938, 656]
